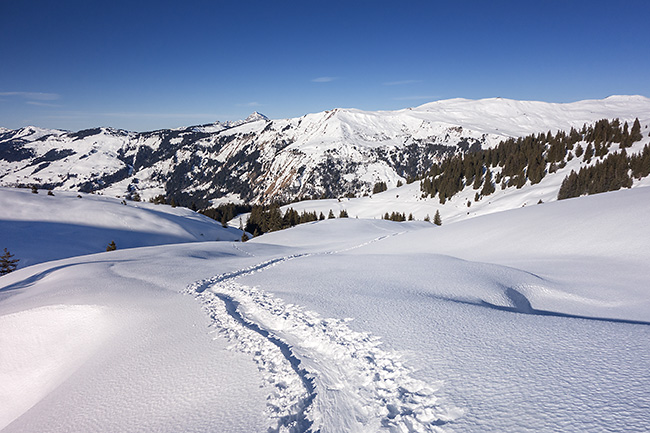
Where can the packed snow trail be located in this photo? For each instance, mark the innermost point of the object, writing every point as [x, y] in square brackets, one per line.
[325, 376]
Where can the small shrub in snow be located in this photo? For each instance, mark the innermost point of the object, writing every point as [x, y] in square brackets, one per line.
[7, 263]
[437, 220]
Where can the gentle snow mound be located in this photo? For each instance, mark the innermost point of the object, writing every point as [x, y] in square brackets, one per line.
[41, 347]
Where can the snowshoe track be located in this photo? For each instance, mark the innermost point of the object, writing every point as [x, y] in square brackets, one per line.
[325, 376]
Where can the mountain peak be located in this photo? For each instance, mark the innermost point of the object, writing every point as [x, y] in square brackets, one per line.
[254, 116]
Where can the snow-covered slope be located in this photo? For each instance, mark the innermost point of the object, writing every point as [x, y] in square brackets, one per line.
[535, 319]
[510, 118]
[38, 227]
[411, 199]
[332, 153]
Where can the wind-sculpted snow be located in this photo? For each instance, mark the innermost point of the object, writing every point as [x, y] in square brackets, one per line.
[326, 377]
[535, 320]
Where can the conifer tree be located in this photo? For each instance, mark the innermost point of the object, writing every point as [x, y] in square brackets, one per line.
[488, 186]
[7, 263]
[331, 215]
[111, 246]
[635, 134]
[437, 220]
[379, 187]
[343, 213]
[321, 217]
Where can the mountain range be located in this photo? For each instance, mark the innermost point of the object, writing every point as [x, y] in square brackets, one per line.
[335, 153]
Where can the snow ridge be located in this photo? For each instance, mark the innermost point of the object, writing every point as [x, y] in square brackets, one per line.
[325, 376]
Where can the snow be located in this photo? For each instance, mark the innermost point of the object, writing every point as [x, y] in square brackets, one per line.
[533, 319]
[508, 117]
[29, 374]
[40, 227]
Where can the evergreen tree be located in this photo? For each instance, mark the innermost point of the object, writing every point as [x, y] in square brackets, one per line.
[437, 220]
[379, 187]
[488, 185]
[343, 213]
[427, 218]
[7, 263]
[635, 134]
[589, 152]
[111, 246]
[34, 189]
[331, 215]
[321, 217]
[159, 199]
[244, 236]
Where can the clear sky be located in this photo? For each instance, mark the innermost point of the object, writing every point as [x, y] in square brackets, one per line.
[143, 65]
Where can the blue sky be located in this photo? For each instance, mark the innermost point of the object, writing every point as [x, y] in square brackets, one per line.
[148, 65]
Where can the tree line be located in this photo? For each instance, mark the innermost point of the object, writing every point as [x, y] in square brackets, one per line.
[269, 218]
[610, 174]
[529, 159]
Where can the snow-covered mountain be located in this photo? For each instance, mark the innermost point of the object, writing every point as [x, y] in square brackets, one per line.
[327, 154]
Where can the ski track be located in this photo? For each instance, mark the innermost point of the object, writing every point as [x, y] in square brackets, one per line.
[324, 376]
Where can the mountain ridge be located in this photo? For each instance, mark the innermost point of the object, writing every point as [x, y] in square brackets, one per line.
[327, 154]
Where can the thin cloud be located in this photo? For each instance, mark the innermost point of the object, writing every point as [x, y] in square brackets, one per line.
[323, 79]
[42, 104]
[416, 98]
[38, 96]
[401, 83]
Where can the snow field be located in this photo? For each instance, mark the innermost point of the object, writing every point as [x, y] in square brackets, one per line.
[31, 368]
[38, 228]
[508, 368]
[529, 320]
[349, 382]
[156, 369]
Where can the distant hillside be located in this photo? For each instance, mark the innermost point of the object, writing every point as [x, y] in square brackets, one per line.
[40, 227]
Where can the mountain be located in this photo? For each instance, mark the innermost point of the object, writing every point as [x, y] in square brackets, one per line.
[329, 154]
